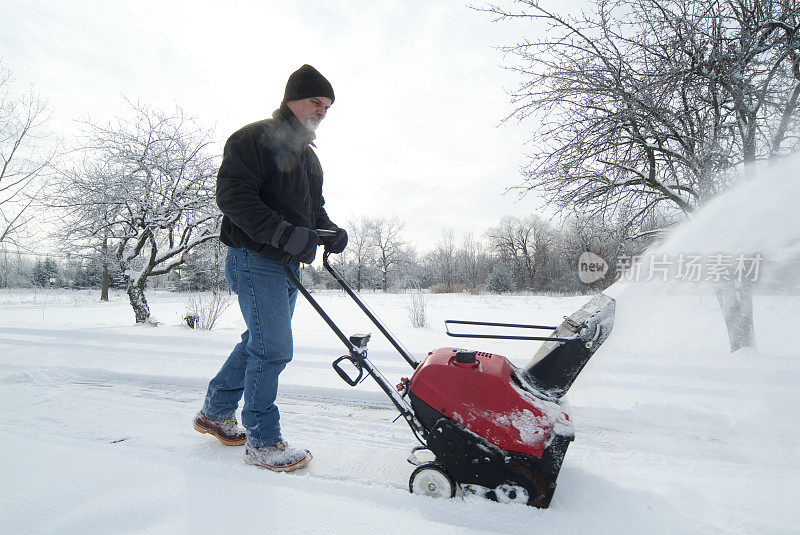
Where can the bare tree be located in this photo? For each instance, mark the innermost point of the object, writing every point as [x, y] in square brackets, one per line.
[649, 105]
[409, 271]
[522, 244]
[443, 259]
[360, 249]
[15, 270]
[24, 156]
[387, 239]
[144, 189]
[473, 261]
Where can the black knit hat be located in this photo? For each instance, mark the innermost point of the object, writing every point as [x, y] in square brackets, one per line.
[307, 82]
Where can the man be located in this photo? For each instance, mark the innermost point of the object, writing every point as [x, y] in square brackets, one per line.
[269, 189]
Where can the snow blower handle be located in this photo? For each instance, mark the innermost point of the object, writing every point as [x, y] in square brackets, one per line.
[324, 233]
[343, 374]
[357, 347]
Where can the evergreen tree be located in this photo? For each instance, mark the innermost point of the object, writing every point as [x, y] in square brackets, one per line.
[501, 279]
[45, 273]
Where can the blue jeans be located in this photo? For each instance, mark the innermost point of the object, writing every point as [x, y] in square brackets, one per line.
[266, 298]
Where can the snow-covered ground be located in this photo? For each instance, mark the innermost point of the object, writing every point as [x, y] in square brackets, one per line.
[674, 434]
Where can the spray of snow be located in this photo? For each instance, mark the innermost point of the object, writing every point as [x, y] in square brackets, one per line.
[758, 217]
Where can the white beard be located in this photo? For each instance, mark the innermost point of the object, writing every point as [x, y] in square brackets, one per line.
[311, 124]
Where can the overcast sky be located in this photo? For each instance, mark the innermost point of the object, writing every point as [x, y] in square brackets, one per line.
[420, 91]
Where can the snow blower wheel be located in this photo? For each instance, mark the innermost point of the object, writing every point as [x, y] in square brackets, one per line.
[511, 494]
[431, 480]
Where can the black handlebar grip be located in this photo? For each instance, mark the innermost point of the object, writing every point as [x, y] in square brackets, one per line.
[343, 374]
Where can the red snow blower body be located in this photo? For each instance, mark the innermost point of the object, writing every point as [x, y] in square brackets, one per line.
[478, 391]
[494, 429]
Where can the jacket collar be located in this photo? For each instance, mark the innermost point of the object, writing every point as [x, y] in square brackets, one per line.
[298, 131]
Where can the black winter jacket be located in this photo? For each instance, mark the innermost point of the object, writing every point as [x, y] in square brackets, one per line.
[269, 177]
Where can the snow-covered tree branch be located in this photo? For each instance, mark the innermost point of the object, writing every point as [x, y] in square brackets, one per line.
[648, 105]
[386, 233]
[144, 187]
[25, 155]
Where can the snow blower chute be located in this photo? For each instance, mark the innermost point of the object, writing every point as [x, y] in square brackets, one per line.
[494, 429]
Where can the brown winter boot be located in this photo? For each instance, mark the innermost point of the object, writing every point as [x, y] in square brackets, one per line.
[226, 431]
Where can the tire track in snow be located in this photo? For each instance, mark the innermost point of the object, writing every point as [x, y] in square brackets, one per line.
[352, 440]
[103, 343]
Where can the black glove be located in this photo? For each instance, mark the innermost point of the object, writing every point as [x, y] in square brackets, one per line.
[336, 244]
[299, 242]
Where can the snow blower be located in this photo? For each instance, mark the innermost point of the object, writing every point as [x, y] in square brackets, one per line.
[493, 429]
